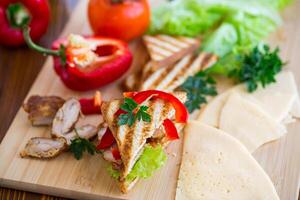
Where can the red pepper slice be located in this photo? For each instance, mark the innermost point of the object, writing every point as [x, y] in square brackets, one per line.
[170, 129]
[106, 141]
[91, 106]
[116, 153]
[14, 15]
[181, 113]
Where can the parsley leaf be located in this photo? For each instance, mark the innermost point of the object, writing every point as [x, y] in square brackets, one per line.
[143, 115]
[259, 66]
[130, 106]
[198, 87]
[80, 145]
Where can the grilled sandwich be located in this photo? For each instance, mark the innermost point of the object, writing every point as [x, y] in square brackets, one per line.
[165, 50]
[131, 141]
[169, 78]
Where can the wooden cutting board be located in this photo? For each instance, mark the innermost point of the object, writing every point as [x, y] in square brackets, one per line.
[88, 179]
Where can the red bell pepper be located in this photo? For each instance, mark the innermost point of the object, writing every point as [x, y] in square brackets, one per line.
[106, 141]
[91, 105]
[113, 60]
[15, 14]
[170, 129]
[181, 113]
[116, 153]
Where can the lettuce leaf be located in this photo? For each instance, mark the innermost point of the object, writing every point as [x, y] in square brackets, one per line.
[182, 18]
[226, 25]
[151, 159]
[112, 172]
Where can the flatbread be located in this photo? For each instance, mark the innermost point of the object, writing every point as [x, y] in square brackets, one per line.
[248, 123]
[217, 166]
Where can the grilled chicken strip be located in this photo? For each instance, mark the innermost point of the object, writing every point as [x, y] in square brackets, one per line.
[42, 109]
[87, 131]
[41, 147]
[65, 118]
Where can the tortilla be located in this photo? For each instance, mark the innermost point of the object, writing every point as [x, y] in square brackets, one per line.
[217, 166]
[248, 123]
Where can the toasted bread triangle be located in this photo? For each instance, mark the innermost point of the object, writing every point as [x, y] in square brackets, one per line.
[165, 50]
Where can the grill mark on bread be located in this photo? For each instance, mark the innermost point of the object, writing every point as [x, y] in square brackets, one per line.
[154, 42]
[209, 61]
[193, 67]
[165, 50]
[176, 42]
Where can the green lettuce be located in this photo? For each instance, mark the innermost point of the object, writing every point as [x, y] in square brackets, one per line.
[182, 17]
[151, 159]
[226, 25]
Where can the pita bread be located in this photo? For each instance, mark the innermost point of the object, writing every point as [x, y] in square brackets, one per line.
[217, 166]
[249, 123]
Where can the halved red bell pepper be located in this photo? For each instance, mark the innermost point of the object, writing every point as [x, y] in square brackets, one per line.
[91, 105]
[181, 113]
[106, 141]
[15, 14]
[113, 60]
[170, 129]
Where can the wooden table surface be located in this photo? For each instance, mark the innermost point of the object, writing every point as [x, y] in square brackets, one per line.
[18, 70]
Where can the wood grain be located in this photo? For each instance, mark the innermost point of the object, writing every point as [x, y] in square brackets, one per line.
[19, 68]
[87, 179]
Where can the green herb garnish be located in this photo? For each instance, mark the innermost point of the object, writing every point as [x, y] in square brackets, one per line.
[198, 87]
[133, 113]
[259, 66]
[80, 145]
[254, 68]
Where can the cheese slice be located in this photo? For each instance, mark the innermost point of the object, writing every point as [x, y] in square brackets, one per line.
[249, 123]
[217, 166]
[277, 99]
[210, 114]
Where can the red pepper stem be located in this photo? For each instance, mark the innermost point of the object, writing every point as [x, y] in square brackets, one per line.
[32, 45]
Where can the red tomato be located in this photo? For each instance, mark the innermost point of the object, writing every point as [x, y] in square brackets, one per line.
[122, 19]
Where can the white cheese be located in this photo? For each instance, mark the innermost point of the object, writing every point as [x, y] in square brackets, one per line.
[248, 123]
[217, 166]
[277, 99]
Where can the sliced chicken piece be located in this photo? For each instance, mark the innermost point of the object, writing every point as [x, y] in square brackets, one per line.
[87, 131]
[101, 130]
[65, 118]
[41, 147]
[42, 109]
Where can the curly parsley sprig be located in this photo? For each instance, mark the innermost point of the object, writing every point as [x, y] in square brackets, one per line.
[254, 68]
[132, 113]
[198, 87]
[80, 145]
